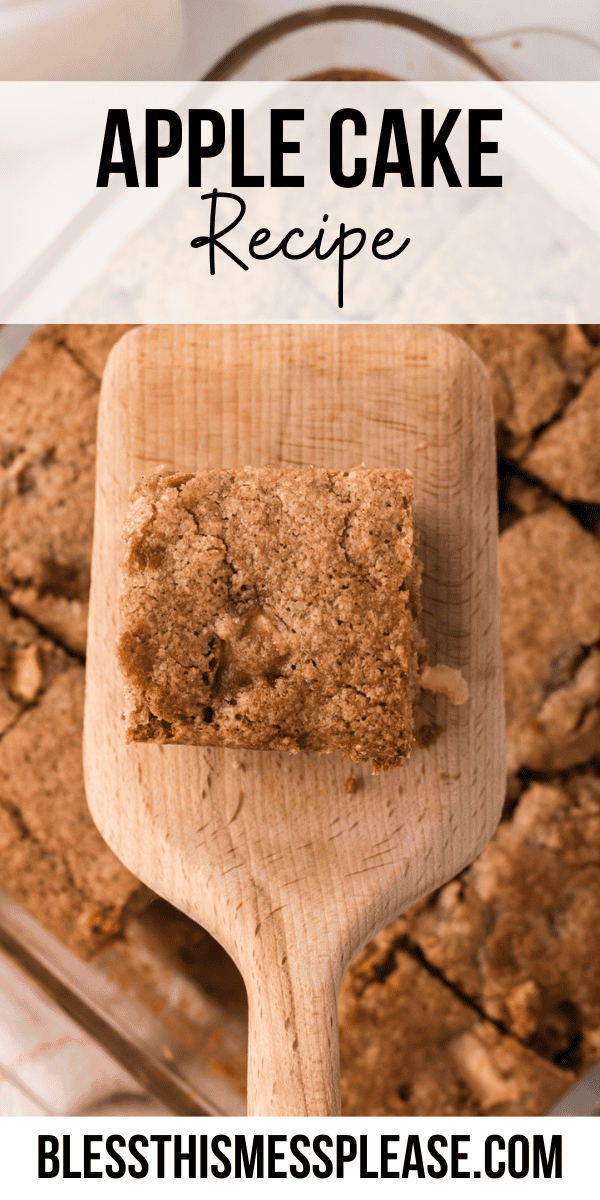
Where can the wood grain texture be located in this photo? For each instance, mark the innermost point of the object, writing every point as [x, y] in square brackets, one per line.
[266, 850]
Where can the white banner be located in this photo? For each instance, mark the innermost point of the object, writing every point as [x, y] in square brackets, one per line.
[232, 1157]
[165, 202]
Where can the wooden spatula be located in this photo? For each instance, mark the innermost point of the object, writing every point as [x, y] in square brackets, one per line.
[269, 852]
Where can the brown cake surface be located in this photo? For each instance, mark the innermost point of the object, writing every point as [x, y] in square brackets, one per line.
[544, 383]
[52, 858]
[518, 933]
[273, 608]
[414, 1047]
[566, 455]
[48, 408]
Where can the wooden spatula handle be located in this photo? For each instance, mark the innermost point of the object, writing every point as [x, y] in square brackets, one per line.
[293, 1054]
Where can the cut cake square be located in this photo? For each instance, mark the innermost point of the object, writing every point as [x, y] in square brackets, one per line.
[273, 608]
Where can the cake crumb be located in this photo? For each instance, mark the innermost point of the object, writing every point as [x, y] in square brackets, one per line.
[426, 735]
[446, 680]
[26, 676]
[351, 785]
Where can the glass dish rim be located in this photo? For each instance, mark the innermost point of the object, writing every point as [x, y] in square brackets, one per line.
[248, 47]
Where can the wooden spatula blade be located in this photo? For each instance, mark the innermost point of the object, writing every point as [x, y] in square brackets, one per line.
[267, 851]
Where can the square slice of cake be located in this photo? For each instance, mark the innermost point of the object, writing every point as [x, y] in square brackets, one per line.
[273, 608]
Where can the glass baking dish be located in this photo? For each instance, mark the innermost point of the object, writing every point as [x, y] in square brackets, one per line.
[164, 1000]
[369, 41]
